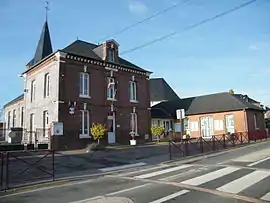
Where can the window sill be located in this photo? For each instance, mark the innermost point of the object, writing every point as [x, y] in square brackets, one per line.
[84, 96]
[133, 101]
[111, 99]
[83, 136]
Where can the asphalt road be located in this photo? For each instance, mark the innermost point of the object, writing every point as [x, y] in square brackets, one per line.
[239, 175]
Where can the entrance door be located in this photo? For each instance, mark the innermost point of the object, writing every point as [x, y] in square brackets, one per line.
[111, 128]
[207, 126]
[229, 119]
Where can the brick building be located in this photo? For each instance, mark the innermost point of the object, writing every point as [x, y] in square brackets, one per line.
[81, 84]
[213, 114]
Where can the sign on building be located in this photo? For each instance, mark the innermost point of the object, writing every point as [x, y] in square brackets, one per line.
[180, 113]
[57, 129]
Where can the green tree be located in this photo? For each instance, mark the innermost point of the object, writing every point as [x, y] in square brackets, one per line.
[98, 131]
[157, 130]
[231, 91]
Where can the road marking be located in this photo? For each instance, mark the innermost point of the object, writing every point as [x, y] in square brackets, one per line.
[210, 176]
[170, 178]
[143, 170]
[254, 156]
[122, 167]
[266, 197]
[169, 197]
[244, 182]
[200, 189]
[257, 162]
[111, 194]
[156, 173]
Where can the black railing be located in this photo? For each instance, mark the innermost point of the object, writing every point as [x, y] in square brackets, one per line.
[195, 146]
[20, 168]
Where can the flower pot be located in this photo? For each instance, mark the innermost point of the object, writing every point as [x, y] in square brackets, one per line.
[132, 142]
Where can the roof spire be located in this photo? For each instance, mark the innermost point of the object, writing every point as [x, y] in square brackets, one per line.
[47, 10]
[44, 46]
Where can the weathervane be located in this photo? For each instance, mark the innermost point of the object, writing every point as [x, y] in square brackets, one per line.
[47, 9]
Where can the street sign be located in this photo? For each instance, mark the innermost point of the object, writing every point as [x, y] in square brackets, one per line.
[180, 113]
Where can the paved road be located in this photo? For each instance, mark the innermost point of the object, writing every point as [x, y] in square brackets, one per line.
[241, 175]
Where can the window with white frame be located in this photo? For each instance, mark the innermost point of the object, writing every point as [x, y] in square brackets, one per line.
[133, 124]
[46, 85]
[45, 123]
[111, 55]
[8, 120]
[111, 88]
[84, 85]
[85, 123]
[32, 122]
[133, 91]
[45, 119]
[194, 126]
[22, 116]
[14, 118]
[255, 121]
[33, 90]
[218, 124]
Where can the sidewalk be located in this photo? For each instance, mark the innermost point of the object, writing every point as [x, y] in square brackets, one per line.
[114, 148]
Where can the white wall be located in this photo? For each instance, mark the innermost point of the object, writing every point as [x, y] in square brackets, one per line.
[40, 104]
[17, 106]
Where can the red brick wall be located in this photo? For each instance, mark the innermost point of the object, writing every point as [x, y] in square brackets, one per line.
[98, 104]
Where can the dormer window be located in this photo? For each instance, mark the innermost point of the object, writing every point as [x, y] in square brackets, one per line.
[110, 54]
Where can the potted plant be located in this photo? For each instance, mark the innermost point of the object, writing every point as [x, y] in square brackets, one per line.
[157, 131]
[132, 141]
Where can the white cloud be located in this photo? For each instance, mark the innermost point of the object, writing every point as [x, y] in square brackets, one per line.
[137, 7]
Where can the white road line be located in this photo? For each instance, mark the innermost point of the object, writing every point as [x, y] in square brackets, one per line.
[142, 170]
[210, 176]
[156, 173]
[266, 197]
[169, 197]
[257, 162]
[244, 182]
[122, 167]
[111, 194]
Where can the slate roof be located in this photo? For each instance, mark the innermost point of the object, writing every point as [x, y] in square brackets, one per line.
[160, 90]
[44, 46]
[14, 100]
[213, 103]
[82, 48]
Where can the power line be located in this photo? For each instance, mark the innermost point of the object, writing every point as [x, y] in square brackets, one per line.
[144, 20]
[190, 27]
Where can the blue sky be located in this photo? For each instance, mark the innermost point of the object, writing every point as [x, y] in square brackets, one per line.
[230, 52]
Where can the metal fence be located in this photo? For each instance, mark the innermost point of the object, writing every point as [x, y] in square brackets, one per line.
[194, 146]
[26, 167]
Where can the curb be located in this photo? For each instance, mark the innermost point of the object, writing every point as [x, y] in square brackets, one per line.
[33, 187]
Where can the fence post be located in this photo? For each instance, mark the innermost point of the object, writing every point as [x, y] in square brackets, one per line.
[201, 144]
[53, 164]
[213, 142]
[2, 170]
[224, 141]
[186, 147]
[7, 171]
[170, 150]
[241, 138]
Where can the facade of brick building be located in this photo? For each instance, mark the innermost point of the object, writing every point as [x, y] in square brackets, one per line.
[208, 115]
[82, 84]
